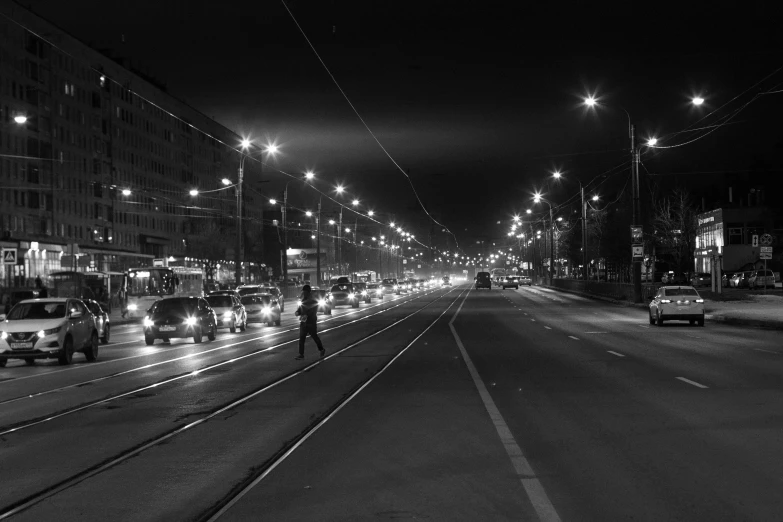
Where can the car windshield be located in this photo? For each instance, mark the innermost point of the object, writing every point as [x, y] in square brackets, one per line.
[372, 287]
[255, 299]
[672, 292]
[38, 310]
[219, 301]
[341, 288]
[173, 306]
[249, 290]
[389, 281]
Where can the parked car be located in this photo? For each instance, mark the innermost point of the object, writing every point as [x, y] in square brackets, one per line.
[48, 328]
[679, 303]
[740, 280]
[343, 294]
[101, 319]
[701, 279]
[262, 308]
[229, 311]
[670, 278]
[761, 279]
[179, 317]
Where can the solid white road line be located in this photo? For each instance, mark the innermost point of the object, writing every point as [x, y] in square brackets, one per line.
[766, 351]
[615, 353]
[548, 327]
[643, 325]
[694, 383]
[533, 487]
[574, 338]
[596, 332]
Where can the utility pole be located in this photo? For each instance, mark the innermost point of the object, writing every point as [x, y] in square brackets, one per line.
[318, 246]
[584, 233]
[636, 220]
[238, 256]
[285, 237]
[551, 245]
[340, 242]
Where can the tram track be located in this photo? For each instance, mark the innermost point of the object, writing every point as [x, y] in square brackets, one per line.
[87, 382]
[108, 463]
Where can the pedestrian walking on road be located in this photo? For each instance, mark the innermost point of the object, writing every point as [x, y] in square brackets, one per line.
[308, 319]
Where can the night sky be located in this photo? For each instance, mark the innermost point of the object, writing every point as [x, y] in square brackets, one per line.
[478, 101]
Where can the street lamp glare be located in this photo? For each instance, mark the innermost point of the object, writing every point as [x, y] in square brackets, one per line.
[309, 174]
[126, 192]
[339, 189]
[331, 221]
[355, 202]
[652, 141]
[529, 211]
[273, 201]
[194, 192]
[698, 100]
[556, 174]
[595, 198]
[347, 230]
[226, 181]
[590, 101]
[537, 198]
[308, 214]
[271, 149]
[245, 143]
[20, 119]
[370, 213]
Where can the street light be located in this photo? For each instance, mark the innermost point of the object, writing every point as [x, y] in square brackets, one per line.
[193, 192]
[226, 181]
[126, 192]
[698, 100]
[355, 202]
[20, 119]
[537, 198]
[273, 201]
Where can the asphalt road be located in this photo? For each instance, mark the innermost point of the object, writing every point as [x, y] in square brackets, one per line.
[452, 404]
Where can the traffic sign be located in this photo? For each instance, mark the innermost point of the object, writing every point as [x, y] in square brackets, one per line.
[9, 256]
[765, 255]
[637, 251]
[766, 239]
[766, 249]
[754, 240]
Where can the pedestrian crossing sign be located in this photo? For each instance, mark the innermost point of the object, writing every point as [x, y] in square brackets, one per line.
[9, 256]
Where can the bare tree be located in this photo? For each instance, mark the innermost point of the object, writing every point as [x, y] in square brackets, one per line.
[675, 223]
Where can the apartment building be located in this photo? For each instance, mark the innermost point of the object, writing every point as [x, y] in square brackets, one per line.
[99, 161]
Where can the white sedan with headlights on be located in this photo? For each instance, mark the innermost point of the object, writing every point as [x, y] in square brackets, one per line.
[677, 303]
[262, 308]
[48, 328]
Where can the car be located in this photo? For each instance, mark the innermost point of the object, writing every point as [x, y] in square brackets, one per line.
[483, 280]
[701, 279]
[375, 291]
[102, 323]
[179, 317]
[510, 281]
[445, 281]
[671, 278]
[344, 280]
[323, 301]
[525, 280]
[343, 294]
[761, 279]
[740, 280]
[390, 286]
[229, 312]
[276, 293]
[682, 303]
[361, 291]
[249, 290]
[262, 308]
[48, 328]
[726, 279]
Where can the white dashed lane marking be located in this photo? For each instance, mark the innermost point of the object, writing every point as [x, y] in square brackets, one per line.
[547, 327]
[693, 383]
[574, 338]
[615, 353]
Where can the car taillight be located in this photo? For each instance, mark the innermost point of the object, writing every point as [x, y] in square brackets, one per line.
[666, 300]
[699, 301]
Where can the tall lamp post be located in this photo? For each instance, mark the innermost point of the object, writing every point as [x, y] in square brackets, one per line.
[537, 198]
[238, 249]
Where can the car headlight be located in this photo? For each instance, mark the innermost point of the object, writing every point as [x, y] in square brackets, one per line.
[265, 309]
[395, 287]
[133, 307]
[364, 292]
[147, 322]
[351, 296]
[322, 302]
[298, 302]
[3, 335]
[227, 315]
[41, 333]
[190, 321]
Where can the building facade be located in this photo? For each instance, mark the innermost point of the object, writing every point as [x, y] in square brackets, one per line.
[97, 161]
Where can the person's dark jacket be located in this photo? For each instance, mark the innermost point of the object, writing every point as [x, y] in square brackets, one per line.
[309, 307]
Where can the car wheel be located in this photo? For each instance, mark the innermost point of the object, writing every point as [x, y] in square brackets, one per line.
[700, 320]
[212, 333]
[660, 318]
[652, 319]
[329, 311]
[243, 326]
[29, 362]
[66, 354]
[106, 333]
[91, 352]
[197, 335]
[233, 327]
[149, 340]
[355, 305]
[270, 323]
[3, 362]
[277, 323]
[691, 321]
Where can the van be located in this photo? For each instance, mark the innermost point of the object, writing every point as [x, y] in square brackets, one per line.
[483, 280]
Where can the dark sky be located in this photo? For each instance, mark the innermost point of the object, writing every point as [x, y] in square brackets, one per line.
[478, 100]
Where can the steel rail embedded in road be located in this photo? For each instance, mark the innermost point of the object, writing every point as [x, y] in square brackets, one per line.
[13, 428]
[29, 501]
[187, 356]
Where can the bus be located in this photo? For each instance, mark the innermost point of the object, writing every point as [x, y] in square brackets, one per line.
[144, 286]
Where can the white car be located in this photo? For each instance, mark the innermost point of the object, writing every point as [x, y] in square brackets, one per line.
[680, 303]
[229, 312]
[48, 328]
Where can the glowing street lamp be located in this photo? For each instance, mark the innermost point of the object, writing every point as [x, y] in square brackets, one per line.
[698, 100]
[355, 202]
[193, 192]
[651, 142]
[370, 213]
[596, 198]
[309, 175]
[309, 214]
[126, 192]
[273, 201]
[20, 119]
[226, 181]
